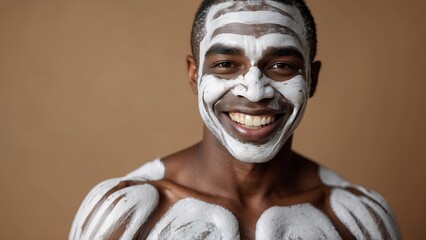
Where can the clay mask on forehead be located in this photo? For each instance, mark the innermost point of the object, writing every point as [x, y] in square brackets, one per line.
[281, 26]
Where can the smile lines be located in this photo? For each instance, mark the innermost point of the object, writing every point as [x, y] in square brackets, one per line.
[252, 121]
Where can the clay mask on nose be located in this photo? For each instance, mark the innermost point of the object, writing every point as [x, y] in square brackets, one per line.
[254, 86]
[282, 27]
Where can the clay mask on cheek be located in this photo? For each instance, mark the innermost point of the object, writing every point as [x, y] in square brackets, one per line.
[253, 85]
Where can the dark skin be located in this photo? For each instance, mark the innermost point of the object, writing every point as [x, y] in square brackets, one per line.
[207, 171]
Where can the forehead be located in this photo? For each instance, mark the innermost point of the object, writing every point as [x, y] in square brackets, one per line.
[255, 26]
[254, 18]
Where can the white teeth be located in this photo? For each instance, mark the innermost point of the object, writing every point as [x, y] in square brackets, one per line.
[263, 120]
[257, 121]
[249, 120]
[252, 121]
[269, 119]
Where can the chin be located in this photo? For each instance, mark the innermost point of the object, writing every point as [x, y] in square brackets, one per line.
[254, 153]
[251, 153]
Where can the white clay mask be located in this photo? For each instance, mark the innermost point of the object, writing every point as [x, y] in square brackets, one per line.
[281, 27]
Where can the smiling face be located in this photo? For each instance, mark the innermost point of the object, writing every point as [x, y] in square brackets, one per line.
[253, 76]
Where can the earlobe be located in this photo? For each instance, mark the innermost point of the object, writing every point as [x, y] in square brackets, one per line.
[192, 73]
[315, 69]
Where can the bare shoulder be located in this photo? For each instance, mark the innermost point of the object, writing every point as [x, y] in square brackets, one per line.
[117, 208]
[364, 212]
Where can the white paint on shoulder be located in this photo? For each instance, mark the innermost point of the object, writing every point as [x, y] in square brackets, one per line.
[354, 215]
[295, 222]
[389, 223]
[190, 218]
[332, 179]
[367, 216]
[151, 171]
[127, 207]
[118, 202]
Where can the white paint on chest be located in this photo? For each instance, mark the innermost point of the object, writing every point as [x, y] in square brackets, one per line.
[112, 204]
[295, 222]
[193, 219]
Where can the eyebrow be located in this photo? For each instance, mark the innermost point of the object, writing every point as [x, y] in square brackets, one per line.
[223, 49]
[283, 51]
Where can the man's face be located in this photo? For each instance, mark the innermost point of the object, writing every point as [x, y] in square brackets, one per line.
[253, 77]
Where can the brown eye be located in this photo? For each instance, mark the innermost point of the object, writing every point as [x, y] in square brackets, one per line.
[281, 71]
[282, 66]
[225, 67]
[224, 64]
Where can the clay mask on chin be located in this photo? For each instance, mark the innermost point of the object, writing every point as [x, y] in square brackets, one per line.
[253, 85]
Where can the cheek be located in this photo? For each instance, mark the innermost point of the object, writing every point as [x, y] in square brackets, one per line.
[295, 90]
[213, 88]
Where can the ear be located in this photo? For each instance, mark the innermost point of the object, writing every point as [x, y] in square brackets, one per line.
[315, 69]
[192, 73]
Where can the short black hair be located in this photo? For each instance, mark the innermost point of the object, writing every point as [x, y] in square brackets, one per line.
[198, 31]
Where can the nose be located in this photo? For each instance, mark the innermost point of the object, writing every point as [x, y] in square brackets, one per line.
[254, 86]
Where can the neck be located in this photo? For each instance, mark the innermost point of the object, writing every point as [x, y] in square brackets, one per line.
[224, 175]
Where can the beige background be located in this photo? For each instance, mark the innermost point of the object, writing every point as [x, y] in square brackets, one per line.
[92, 89]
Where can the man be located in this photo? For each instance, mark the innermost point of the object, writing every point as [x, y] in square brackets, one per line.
[253, 69]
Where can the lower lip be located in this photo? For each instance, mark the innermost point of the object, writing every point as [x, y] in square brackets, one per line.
[258, 136]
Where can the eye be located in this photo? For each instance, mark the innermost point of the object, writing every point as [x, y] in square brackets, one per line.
[281, 71]
[224, 64]
[283, 66]
[225, 67]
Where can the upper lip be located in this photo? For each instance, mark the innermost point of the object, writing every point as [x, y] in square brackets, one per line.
[244, 106]
[270, 106]
[252, 111]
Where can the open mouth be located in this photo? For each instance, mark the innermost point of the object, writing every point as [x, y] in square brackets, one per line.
[254, 128]
[252, 121]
